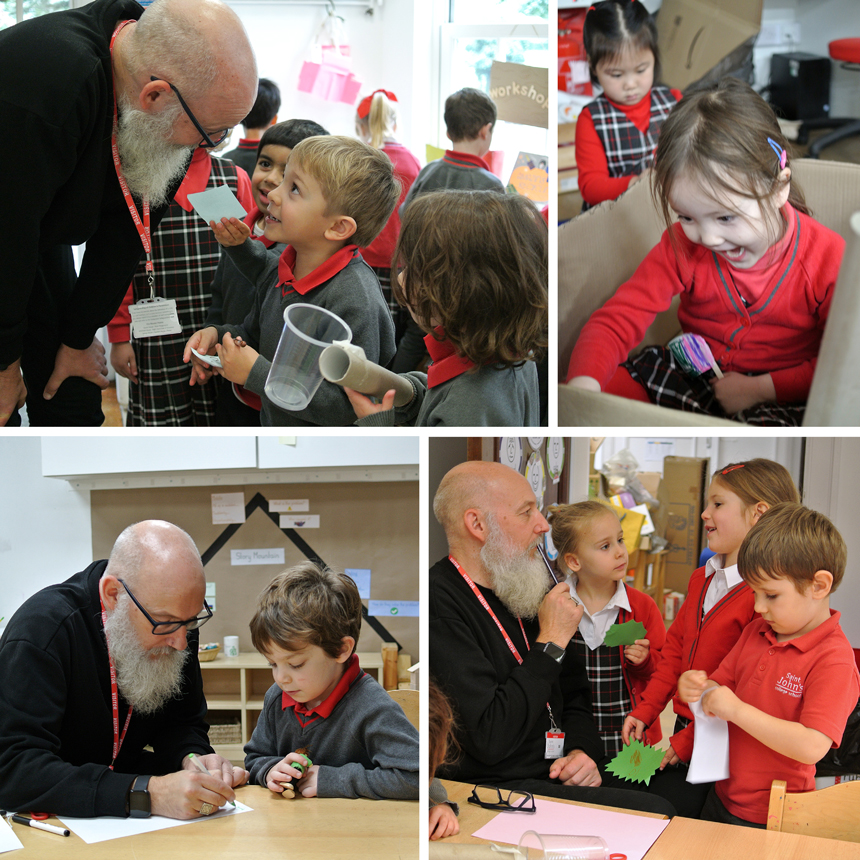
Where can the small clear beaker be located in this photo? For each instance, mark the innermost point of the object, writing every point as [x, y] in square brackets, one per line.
[560, 846]
[295, 376]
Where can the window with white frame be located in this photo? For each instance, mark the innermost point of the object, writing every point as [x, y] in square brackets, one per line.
[479, 32]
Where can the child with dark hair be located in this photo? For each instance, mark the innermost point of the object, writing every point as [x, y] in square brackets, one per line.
[790, 683]
[336, 195]
[474, 277]
[262, 115]
[616, 133]
[470, 116]
[754, 272]
[441, 741]
[232, 291]
[357, 738]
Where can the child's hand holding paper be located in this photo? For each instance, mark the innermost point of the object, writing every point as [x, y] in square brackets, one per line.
[204, 342]
[230, 232]
[237, 359]
[217, 206]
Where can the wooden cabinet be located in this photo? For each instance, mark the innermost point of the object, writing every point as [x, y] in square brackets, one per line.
[235, 687]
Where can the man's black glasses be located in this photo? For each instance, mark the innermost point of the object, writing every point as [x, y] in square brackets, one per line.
[210, 141]
[490, 797]
[163, 628]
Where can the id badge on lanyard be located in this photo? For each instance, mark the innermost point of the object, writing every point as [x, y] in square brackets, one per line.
[154, 316]
[554, 738]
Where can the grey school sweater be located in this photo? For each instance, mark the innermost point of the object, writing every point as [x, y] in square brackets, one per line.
[489, 397]
[353, 294]
[365, 748]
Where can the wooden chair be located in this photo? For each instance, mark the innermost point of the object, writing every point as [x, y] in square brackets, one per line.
[408, 700]
[830, 812]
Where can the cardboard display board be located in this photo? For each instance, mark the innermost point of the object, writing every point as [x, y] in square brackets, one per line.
[369, 525]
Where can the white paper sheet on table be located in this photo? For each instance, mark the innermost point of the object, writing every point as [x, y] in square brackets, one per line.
[710, 759]
[101, 829]
[624, 833]
[8, 840]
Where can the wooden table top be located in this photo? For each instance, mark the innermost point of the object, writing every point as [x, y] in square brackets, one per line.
[318, 828]
[684, 838]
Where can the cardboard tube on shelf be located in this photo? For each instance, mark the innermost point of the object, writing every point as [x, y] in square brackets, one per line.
[344, 363]
[389, 666]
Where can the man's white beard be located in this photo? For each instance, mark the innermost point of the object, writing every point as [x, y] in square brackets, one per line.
[150, 164]
[519, 581]
[147, 679]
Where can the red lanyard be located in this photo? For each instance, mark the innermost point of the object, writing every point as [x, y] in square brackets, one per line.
[489, 609]
[117, 737]
[142, 227]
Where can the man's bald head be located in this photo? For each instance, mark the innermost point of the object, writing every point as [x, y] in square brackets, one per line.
[475, 484]
[200, 46]
[155, 555]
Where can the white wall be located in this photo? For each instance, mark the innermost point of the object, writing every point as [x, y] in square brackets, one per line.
[386, 48]
[45, 527]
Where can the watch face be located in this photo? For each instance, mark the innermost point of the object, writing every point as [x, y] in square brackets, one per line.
[139, 801]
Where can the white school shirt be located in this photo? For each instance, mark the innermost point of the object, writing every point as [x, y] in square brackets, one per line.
[725, 578]
[593, 627]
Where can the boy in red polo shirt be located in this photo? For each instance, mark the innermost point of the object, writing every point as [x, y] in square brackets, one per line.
[357, 737]
[789, 684]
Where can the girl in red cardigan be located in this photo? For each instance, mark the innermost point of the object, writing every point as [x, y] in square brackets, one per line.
[718, 606]
[592, 553]
[617, 132]
[755, 274]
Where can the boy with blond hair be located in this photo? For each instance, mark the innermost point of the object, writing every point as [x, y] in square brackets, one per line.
[789, 684]
[357, 737]
[336, 196]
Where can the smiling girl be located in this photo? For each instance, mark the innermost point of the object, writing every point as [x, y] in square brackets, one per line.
[717, 609]
[617, 132]
[754, 272]
[591, 551]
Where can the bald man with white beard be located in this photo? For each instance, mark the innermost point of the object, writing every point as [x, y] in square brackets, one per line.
[499, 631]
[181, 71]
[124, 626]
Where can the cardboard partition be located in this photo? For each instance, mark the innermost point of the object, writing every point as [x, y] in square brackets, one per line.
[679, 517]
[601, 249]
[695, 35]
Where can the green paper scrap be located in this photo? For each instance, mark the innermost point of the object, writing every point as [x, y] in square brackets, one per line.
[624, 634]
[636, 762]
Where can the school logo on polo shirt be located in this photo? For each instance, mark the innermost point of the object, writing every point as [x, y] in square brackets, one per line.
[790, 684]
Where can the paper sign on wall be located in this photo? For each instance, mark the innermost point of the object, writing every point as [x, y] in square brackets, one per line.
[299, 521]
[361, 577]
[228, 508]
[521, 93]
[286, 506]
[393, 608]
[274, 555]
[210, 595]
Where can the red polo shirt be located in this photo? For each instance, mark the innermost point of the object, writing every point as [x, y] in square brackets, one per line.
[351, 673]
[812, 680]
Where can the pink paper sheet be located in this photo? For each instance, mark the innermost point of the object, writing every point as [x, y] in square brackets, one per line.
[626, 834]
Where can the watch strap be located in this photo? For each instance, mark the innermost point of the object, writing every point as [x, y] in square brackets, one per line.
[139, 802]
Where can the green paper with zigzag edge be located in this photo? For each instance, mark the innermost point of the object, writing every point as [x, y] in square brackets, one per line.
[637, 762]
[624, 634]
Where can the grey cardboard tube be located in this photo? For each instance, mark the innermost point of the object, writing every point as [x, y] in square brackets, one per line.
[346, 364]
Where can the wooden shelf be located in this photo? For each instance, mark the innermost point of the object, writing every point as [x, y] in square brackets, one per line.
[239, 684]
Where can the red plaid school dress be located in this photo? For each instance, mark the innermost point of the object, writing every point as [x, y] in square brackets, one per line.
[186, 254]
[628, 150]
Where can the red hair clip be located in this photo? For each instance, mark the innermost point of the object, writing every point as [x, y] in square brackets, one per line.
[732, 468]
[363, 108]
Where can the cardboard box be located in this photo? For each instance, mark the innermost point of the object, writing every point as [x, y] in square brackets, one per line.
[694, 36]
[602, 248]
[679, 517]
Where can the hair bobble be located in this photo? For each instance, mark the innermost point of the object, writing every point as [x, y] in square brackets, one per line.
[732, 468]
[363, 108]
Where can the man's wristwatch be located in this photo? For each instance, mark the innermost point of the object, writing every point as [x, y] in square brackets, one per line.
[138, 798]
[555, 651]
